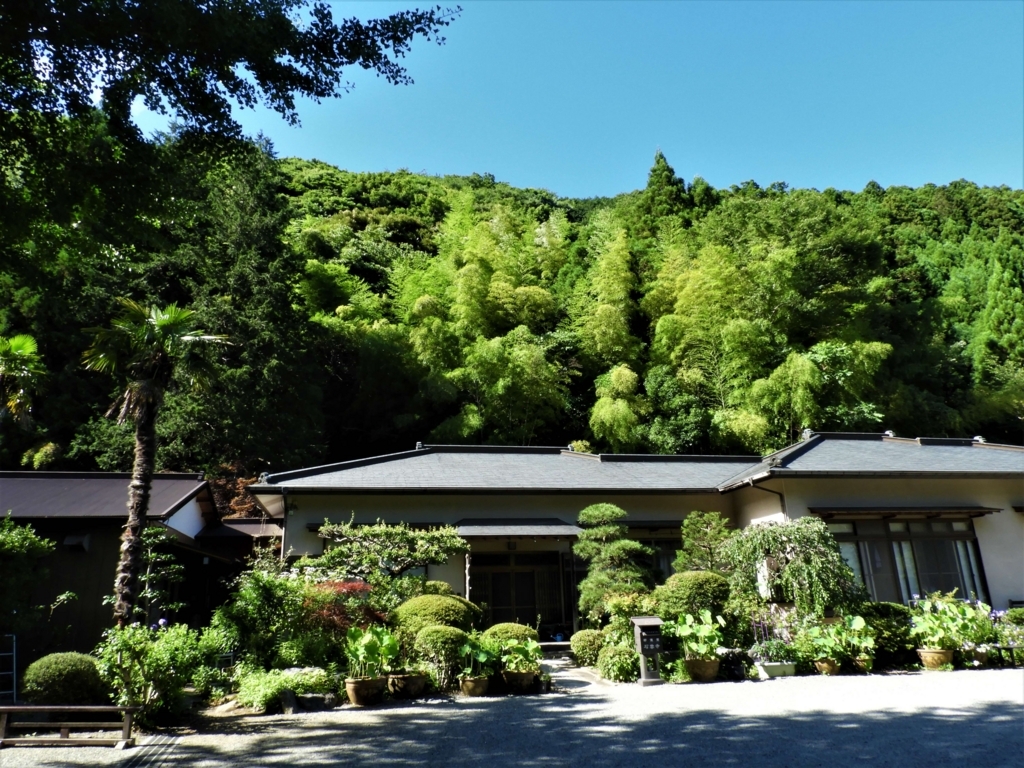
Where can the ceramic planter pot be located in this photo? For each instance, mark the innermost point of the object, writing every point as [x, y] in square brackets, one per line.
[474, 686]
[827, 666]
[934, 658]
[864, 663]
[702, 670]
[766, 670]
[365, 691]
[407, 686]
[519, 682]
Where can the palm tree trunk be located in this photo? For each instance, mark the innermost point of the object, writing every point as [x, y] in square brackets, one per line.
[127, 578]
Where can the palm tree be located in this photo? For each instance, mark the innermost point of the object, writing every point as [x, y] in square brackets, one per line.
[20, 368]
[146, 347]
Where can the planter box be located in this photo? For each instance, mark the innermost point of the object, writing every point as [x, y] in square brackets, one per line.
[769, 669]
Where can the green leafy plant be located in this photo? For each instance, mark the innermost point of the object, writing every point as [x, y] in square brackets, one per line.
[826, 641]
[1014, 616]
[261, 689]
[586, 645]
[891, 624]
[150, 668]
[773, 651]
[478, 659]
[370, 652]
[797, 562]
[521, 655]
[942, 622]
[64, 678]
[618, 663]
[700, 637]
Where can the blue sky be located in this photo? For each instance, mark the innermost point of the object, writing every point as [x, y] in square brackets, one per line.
[576, 97]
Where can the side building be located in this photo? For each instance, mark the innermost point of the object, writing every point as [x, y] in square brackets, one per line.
[911, 516]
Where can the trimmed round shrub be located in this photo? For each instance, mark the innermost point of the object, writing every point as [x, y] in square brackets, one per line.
[437, 588]
[432, 610]
[500, 633]
[618, 663]
[1015, 616]
[64, 678]
[690, 592]
[586, 645]
[894, 645]
[442, 646]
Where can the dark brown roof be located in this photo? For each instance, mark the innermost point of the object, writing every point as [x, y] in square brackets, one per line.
[92, 494]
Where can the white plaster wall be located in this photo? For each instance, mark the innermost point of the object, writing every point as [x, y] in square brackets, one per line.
[304, 510]
[754, 505]
[188, 520]
[1000, 535]
[453, 572]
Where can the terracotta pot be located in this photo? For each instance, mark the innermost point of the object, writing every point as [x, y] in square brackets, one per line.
[702, 670]
[365, 691]
[864, 663]
[827, 666]
[519, 682]
[407, 686]
[934, 658]
[474, 686]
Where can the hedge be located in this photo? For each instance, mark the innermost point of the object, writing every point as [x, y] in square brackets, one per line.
[433, 610]
[690, 592]
[511, 631]
[618, 663]
[586, 645]
[64, 678]
[441, 646]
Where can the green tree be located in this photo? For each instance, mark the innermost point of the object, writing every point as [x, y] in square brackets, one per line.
[616, 564]
[705, 536]
[20, 371]
[21, 569]
[147, 348]
[617, 412]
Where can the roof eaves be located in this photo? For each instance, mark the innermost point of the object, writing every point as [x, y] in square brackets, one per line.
[203, 486]
[680, 458]
[295, 474]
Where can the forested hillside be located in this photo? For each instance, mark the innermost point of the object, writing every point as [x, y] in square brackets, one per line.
[369, 311]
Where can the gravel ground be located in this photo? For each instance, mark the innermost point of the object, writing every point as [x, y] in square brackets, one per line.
[971, 718]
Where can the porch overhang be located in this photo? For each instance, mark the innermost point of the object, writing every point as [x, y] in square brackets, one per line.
[504, 528]
[901, 513]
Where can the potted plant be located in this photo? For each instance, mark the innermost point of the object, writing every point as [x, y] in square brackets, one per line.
[828, 647]
[478, 665]
[860, 642]
[366, 651]
[521, 662]
[408, 682]
[774, 658]
[940, 624]
[700, 640]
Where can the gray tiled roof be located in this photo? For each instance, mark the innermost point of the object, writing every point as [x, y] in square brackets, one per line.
[904, 456]
[89, 494]
[545, 470]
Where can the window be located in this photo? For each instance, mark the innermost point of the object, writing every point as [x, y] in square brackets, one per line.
[897, 559]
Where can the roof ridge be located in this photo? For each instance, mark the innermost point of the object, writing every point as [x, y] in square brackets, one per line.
[83, 475]
[676, 457]
[294, 474]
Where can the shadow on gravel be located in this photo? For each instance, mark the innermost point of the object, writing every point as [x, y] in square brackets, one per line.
[567, 730]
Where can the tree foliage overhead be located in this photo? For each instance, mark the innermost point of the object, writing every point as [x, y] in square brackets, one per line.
[368, 311]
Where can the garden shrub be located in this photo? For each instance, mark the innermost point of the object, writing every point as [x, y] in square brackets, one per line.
[432, 587]
[442, 647]
[64, 678]
[894, 645]
[430, 610]
[618, 663]
[586, 645]
[690, 592]
[616, 564]
[1014, 616]
[151, 667]
[499, 633]
[261, 690]
[21, 567]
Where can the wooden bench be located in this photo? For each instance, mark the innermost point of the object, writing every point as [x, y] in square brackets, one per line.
[124, 725]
